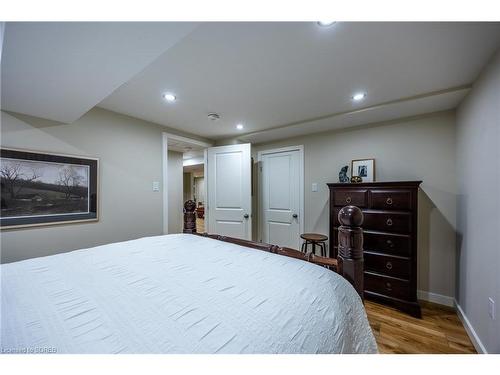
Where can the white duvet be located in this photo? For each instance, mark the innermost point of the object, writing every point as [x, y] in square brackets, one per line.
[178, 294]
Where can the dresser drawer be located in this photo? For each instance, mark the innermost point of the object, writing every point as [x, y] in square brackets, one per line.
[386, 285]
[354, 197]
[387, 243]
[398, 222]
[391, 199]
[387, 265]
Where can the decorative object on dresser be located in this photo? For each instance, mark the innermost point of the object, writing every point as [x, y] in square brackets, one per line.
[364, 168]
[343, 177]
[189, 217]
[41, 189]
[390, 238]
[356, 179]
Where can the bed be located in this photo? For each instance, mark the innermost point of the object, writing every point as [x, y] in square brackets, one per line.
[179, 293]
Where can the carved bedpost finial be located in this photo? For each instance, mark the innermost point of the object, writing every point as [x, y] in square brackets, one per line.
[189, 217]
[350, 246]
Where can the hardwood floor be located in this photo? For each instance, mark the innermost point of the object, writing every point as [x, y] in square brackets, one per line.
[439, 331]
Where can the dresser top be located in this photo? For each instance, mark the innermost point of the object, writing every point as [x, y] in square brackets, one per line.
[376, 184]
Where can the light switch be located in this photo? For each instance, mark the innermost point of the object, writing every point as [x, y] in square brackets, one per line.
[314, 186]
[156, 186]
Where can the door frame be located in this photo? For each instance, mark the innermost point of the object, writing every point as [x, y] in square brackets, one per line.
[164, 159]
[260, 210]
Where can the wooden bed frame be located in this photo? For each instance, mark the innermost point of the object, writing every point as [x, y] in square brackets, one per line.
[349, 262]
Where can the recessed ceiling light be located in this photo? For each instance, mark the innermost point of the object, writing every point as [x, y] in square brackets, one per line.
[239, 126]
[359, 96]
[169, 97]
[326, 23]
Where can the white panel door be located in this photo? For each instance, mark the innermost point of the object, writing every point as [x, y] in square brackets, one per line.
[229, 191]
[281, 196]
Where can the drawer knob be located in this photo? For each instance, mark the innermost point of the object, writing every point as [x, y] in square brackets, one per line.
[388, 201]
[388, 286]
[390, 243]
[348, 200]
[389, 222]
[388, 265]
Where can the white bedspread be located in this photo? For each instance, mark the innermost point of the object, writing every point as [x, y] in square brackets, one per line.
[178, 294]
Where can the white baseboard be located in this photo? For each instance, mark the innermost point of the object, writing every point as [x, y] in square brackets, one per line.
[436, 298]
[452, 302]
[470, 330]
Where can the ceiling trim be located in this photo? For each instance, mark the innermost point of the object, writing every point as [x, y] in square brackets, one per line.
[366, 125]
[363, 109]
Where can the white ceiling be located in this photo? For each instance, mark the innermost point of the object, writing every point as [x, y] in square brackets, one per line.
[59, 71]
[185, 146]
[367, 115]
[196, 168]
[279, 79]
[192, 150]
[273, 74]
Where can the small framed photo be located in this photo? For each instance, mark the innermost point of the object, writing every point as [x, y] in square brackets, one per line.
[364, 168]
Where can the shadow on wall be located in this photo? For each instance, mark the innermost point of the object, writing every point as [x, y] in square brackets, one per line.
[461, 258]
[255, 200]
[436, 244]
[319, 225]
[35, 121]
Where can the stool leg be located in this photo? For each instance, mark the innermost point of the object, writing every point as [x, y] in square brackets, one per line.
[314, 248]
[302, 247]
[323, 249]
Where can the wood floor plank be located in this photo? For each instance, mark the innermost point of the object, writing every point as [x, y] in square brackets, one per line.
[439, 331]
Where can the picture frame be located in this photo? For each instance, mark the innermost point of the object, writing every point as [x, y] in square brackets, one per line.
[39, 188]
[364, 168]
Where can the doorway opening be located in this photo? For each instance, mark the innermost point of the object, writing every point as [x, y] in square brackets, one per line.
[194, 189]
[218, 179]
[183, 179]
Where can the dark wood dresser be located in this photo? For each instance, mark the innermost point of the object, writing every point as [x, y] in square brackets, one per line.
[390, 238]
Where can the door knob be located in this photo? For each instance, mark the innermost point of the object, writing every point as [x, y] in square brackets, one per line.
[295, 216]
[246, 216]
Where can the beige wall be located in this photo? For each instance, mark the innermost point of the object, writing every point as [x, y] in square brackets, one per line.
[175, 192]
[414, 149]
[478, 240]
[130, 160]
[187, 188]
[199, 183]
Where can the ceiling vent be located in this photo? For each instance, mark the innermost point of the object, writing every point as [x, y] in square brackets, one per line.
[213, 116]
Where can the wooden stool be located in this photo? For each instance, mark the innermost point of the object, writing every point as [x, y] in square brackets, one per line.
[314, 239]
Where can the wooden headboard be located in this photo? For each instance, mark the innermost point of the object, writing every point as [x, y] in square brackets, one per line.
[349, 262]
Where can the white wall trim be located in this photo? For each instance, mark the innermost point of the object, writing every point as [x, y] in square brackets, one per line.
[164, 161]
[205, 188]
[260, 209]
[436, 298]
[452, 302]
[476, 341]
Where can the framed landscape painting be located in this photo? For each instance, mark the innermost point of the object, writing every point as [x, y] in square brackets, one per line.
[43, 189]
